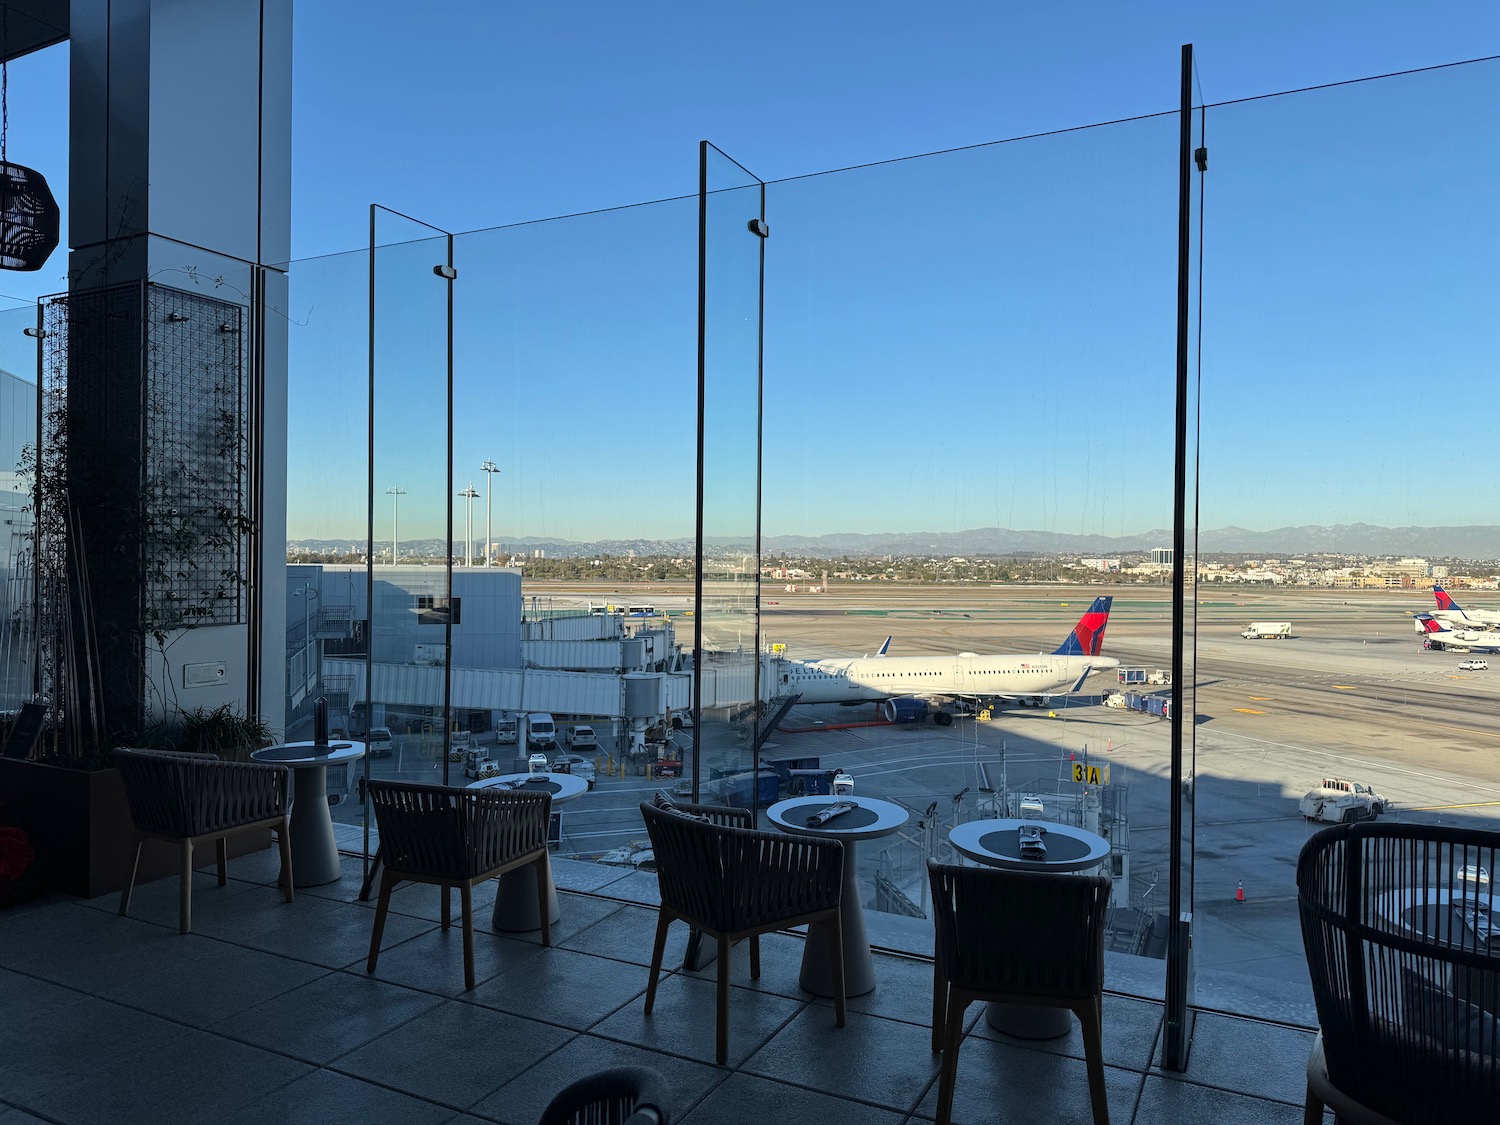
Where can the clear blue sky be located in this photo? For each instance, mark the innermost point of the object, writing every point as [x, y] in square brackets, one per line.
[980, 338]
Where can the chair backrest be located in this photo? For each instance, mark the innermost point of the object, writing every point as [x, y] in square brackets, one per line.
[726, 878]
[178, 794]
[1403, 950]
[1035, 932]
[624, 1095]
[452, 832]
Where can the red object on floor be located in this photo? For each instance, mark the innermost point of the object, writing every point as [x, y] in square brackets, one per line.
[1239, 892]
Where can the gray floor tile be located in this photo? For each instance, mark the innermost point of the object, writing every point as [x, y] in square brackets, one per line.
[10, 1116]
[877, 1060]
[1129, 1033]
[433, 961]
[1183, 1103]
[562, 987]
[157, 900]
[94, 950]
[328, 1017]
[55, 933]
[743, 1099]
[325, 1097]
[579, 875]
[628, 935]
[999, 1084]
[521, 1101]
[1264, 1060]
[683, 1021]
[903, 991]
[780, 966]
[456, 1054]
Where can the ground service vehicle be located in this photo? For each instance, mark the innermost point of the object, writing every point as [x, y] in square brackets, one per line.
[1337, 799]
[380, 743]
[1268, 630]
[478, 764]
[577, 765]
[459, 743]
[506, 730]
[541, 732]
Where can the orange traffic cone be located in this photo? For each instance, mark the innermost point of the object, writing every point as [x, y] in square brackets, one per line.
[1239, 892]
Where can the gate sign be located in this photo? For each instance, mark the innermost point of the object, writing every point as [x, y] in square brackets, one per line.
[1090, 775]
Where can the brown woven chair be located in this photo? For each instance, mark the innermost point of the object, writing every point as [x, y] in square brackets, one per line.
[456, 837]
[731, 883]
[1017, 937]
[190, 799]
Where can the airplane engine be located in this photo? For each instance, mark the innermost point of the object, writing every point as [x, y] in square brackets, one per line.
[905, 710]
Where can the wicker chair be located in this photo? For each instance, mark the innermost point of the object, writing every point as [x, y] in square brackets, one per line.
[1404, 956]
[733, 883]
[190, 799]
[625, 1095]
[1017, 937]
[456, 837]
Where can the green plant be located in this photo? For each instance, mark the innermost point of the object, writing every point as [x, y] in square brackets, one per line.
[225, 731]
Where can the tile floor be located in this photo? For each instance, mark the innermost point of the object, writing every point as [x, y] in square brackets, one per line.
[265, 1014]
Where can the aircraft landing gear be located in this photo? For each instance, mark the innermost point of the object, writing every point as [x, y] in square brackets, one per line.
[943, 718]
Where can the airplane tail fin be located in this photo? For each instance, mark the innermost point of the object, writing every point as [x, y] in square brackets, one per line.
[1432, 624]
[885, 648]
[1087, 637]
[1444, 602]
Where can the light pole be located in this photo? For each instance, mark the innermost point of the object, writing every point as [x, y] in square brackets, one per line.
[470, 494]
[490, 469]
[395, 492]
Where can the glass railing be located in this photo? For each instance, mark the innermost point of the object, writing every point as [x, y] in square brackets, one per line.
[18, 432]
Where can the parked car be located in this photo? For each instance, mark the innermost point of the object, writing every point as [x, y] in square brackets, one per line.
[380, 743]
[577, 765]
[1473, 666]
[582, 739]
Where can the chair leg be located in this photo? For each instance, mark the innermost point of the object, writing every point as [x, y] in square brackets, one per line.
[755, 957]
[185, 890]
[948, 1074]
[721, 1023]
[939, 1005]
[284, 842]
[466, 901]
[1312, 1112]
[836, 950]
[381, 907]
[221, 853]
[447, 907]
[543, 906]
[1091, 1016]
[657, 950]
[140, 842]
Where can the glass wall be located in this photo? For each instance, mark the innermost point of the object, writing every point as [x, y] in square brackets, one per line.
[18, 435]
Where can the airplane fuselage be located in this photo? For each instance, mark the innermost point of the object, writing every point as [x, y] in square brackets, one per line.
[966, 674]
[1458, 619]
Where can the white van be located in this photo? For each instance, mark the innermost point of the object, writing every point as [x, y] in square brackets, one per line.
[541, 732]
[1473, 666]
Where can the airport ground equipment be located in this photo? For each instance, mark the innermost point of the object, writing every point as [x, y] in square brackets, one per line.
[1267, 630]
[478, 764]
[1152, 677]
[1339, 800]
[507, 730]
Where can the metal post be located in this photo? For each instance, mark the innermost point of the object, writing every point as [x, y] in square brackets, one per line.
[395, 492]
[490, 469]
[470, 494]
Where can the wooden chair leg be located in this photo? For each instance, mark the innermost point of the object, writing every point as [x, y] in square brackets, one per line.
[221, 853]
[836, 951]
[721, 1008]
[447, 909]
[543, 906]
[1312, 1110]
[140, 842]
[755, 957]
[1091, 1017]
[948, 1074]
[662, 922]
[939, 1005]
[381, 907]
[185, 890]
[284, 842]
[466, 901]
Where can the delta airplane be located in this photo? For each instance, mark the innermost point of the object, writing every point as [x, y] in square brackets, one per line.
[1438, 635]
[908, 683]
[1450, 611]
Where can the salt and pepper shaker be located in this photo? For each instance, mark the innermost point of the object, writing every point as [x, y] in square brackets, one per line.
[320, 721]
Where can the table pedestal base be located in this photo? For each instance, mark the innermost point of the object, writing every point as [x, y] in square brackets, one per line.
[859, 968]
[515, 901]
[315, 855]
[1025, 1021]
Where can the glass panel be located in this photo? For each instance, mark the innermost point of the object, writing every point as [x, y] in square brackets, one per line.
[728, 638]
[1349, 357]
[969, 435]
[18, 435]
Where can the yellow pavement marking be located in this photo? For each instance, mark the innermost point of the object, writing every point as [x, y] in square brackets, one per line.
[1439, 808]
[1263, 698]
[1345, 687]
[1463, 730]
[1249, 711]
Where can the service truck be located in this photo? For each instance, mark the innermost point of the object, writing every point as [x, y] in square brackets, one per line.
[507, 727]
[1267, 630]
[1338, 799]
[541, 732]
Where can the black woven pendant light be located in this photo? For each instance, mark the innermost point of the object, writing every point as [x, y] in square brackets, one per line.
[30, 222]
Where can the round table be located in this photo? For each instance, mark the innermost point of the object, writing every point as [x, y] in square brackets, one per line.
[515, 896]
[997, 843]
[315, 855]
[872, 818]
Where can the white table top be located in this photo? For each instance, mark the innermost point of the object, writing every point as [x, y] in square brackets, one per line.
[305, 754]
[996, 843]
[562, 786]
[791, 816]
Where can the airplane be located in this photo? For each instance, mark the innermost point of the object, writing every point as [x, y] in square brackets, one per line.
[1450, 611]
[906, 685]
[1440, 636]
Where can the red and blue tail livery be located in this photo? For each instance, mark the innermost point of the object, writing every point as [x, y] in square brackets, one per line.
[1087, 637]
[1444, 602]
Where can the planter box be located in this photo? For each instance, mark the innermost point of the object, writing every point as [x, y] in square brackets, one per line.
[80, 829]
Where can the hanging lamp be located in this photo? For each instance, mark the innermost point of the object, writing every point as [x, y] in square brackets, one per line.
[30, 221]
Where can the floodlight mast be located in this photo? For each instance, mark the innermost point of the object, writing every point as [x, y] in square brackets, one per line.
[395, 492]
[490, 469]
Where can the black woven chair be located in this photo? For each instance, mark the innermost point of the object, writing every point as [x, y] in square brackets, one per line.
[1404, 955]
[1017, 937]
[733, 883]
[190, 799]
[625, 1095]
[456, 837]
